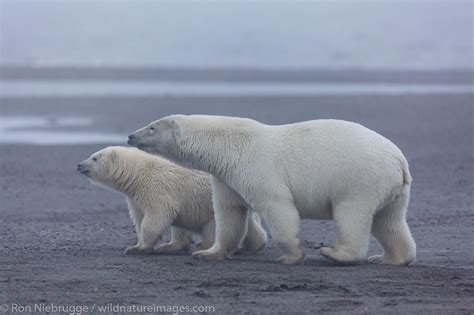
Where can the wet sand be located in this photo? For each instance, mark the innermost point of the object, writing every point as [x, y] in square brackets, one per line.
[62, 239]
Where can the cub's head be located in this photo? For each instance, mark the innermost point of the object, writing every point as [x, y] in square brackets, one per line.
[159, 137]
[101, 165]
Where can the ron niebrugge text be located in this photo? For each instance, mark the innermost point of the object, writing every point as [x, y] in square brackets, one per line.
[105, 308]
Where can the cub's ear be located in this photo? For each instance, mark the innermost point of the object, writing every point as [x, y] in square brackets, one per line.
[177, 129]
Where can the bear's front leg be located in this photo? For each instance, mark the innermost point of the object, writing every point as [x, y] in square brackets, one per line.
[230, 213]
[283, 220]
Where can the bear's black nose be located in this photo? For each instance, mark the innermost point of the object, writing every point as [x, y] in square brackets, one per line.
[82, 169]
[131, 137]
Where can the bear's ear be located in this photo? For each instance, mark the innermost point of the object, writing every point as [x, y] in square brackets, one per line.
[177, 129]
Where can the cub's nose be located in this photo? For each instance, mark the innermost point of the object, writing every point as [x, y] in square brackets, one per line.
[131, 137]
[81, 168]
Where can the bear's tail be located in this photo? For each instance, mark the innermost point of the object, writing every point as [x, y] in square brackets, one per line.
[407, 179]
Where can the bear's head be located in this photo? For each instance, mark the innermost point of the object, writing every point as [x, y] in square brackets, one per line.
[196, 141]
[103, 167]
[159, 137]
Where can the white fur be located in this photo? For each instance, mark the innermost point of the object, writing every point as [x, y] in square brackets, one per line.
[161, 194]
[320, 169]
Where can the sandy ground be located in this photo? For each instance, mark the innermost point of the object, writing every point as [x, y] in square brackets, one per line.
[62, 239]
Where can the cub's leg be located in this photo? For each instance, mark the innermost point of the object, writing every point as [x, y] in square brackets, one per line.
[152, 227]
[181, 240]
[208, 233]
[353, 222]
[256, 237]
[283, 220]
[390, 228]
[136, 214]
[230, 215]
[137, 217]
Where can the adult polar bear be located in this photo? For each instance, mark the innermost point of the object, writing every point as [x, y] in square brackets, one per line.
[320, 169]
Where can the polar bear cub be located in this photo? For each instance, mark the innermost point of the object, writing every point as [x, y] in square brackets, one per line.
[320, 169]
[161, 194]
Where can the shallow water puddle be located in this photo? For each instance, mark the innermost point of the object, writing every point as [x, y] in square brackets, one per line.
[41, 130]
[43, 122]
[73, 88]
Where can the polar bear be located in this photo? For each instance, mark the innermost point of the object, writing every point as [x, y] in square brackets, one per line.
[320, 169]
[159, 194]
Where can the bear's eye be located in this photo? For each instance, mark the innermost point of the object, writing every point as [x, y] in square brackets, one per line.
[94, 159]
[152, 128]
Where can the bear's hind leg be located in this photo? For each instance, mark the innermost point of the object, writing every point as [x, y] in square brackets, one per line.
[390, 228]
[353, 221]
[181, 240]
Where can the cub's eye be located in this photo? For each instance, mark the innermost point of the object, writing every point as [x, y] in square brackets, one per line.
[94, 159]
[152, 128]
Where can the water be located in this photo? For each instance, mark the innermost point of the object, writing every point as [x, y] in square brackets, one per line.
[209, 88]
[50, 130]
[42, 122]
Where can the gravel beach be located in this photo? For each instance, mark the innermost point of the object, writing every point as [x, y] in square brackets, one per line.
[62, 239]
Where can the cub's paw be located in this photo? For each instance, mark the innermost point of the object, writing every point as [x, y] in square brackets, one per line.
[239, 251]
[377, 259]
[172, 247]
[291, 260]
[136, 250]
[199, 247]
[208, 255]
